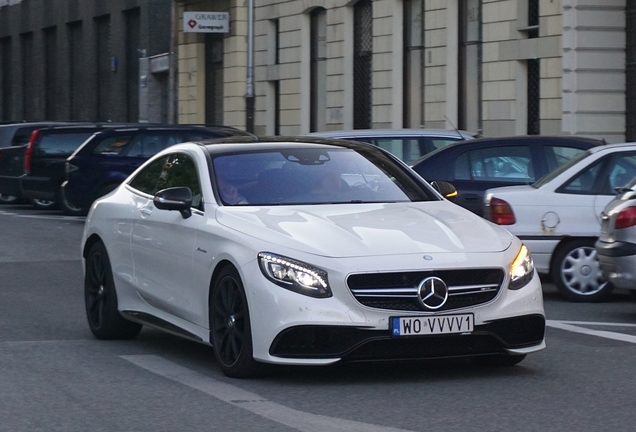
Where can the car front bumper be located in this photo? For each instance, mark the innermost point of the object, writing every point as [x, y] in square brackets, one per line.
[289, 328]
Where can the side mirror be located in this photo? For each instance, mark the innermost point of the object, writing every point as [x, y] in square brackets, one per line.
[176, 198]
[447, 190]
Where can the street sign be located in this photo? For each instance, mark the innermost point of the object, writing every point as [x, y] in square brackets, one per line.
[206, 22]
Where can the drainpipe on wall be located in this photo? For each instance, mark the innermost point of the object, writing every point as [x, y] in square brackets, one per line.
[249, 94]
[172, 71]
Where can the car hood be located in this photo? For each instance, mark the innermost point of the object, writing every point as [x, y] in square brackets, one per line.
[349, 230]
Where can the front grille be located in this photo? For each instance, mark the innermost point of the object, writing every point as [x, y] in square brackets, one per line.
[398, 291]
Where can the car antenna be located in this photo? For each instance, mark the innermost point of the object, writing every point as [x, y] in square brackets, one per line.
[462, 137]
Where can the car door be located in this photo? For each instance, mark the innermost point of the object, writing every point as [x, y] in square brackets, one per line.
[620, 170]
[476, 170]
[576, 202]
[163, 242]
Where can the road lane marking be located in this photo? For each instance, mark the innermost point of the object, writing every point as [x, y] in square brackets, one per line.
[568, 326]
[49, 217]
[302, 421]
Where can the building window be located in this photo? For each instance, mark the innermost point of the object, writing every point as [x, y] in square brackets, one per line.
[528, 21]
[104, 67]
[214, 78]
[470, 65]
[5, 79]
[631, 71]
[133, 44]
[362, 64]
[534, 123]
[28, 89]
[50, 73]
[413, 63]
[277, 107]
[76, 68]
[318, 72]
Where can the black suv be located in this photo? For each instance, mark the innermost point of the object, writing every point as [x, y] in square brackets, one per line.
[14, 138]
[43, 161]
[104, 161]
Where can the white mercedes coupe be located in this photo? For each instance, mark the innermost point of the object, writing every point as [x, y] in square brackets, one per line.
[305, 251]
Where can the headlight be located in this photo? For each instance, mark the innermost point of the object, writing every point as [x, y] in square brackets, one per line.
[521, 269]
[294, 275]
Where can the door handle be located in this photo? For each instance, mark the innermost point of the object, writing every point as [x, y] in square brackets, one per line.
[146, 212]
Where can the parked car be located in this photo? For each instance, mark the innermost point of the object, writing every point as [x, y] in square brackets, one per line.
[100, 164]
[44, 159]
[353, 255]
[407, 144]
[484, 163]
[14, 138]
[616, 246]
[558, 216]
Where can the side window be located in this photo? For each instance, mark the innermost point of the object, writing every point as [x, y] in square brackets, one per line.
[149, 144]
[623, 171]
[22, 136]
[114, 145]
[503, 164]
[558, 155]
[585, 181]
[462, 168]
[394, 146]
[174, 170]
[61, 144]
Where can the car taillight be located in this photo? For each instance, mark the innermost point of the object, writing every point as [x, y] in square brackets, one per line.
[29, 151]
[501, 213]
[626, 218]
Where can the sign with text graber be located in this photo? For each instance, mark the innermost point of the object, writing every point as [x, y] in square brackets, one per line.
[206, 22]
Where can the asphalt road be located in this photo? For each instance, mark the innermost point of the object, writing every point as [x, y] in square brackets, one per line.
[54, 376]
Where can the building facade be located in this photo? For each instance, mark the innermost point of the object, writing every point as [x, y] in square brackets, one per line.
[80, 59]
[499, 67]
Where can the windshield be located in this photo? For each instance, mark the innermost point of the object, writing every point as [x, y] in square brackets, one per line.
[553, 174]
[314, 176]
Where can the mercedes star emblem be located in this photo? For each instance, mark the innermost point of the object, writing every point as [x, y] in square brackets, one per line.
[432, 293]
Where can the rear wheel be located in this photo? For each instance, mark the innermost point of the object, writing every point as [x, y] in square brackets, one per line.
[42, 204]
[230, 330]
[69, 208]
[100, 296]
[577, 273]
[8, 199]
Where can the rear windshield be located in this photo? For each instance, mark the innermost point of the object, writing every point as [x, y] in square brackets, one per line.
[60, 144]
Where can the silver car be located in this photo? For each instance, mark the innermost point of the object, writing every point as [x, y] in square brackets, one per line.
[407, 144]
[616, 246]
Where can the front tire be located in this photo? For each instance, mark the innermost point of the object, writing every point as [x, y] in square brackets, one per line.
[230, 329]
[577, 273]
[100, 297]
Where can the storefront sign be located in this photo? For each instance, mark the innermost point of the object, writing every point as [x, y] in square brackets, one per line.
[206, 22]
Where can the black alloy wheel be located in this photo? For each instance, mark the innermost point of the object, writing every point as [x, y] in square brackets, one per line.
[230, 330]
[100, 296]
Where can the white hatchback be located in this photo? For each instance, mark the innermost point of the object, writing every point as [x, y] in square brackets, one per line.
[306, 252]
[558, 217]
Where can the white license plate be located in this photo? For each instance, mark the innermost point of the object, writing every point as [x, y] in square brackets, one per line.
[431, 325]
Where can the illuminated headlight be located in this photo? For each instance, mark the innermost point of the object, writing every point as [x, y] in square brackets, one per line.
[294, 275]
[521, 269]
